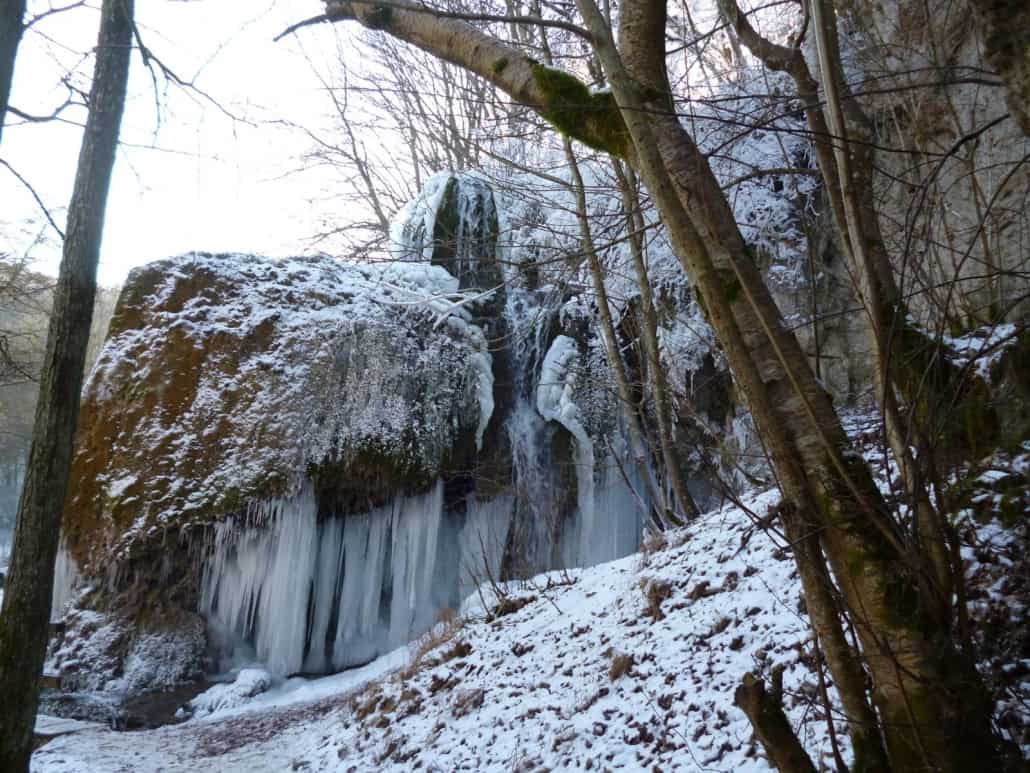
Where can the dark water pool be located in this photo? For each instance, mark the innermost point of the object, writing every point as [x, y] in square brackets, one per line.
[144, 711]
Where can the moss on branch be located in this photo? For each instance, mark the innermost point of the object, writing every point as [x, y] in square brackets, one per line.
[593, 118]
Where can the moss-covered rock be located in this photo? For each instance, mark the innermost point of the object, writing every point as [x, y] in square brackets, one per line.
[232, 379]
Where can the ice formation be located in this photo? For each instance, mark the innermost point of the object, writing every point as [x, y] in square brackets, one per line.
[297, 376]
[482, 541]
[555, 401]
[452, 222]
[66, 577]
[316, 595]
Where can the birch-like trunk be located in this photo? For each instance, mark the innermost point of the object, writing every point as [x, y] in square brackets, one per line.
[931, 701]
[649, 338]
[630, 409]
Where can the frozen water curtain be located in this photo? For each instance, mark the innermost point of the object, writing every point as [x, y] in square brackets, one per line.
[309, 594]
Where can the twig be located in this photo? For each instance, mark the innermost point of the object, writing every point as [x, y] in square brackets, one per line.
[39, 201]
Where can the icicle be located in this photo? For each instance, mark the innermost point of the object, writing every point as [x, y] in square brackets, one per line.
[616, 528]
[325, 593]
[66, 577]
[257, 583]
[358, 628]
[415, 531]
[321, 596]
[554, 401]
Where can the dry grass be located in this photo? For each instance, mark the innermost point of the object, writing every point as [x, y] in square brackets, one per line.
[467, 701]
[621, 665]
[653, 542]
[509, 605]
[449, 625]
[655, 592]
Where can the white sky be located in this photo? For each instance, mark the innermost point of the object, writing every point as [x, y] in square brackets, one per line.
[214, 184]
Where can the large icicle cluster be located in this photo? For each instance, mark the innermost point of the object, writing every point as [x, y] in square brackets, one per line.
[349, 449]
[316, 595]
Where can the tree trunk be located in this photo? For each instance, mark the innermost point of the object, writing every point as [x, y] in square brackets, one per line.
[916, 366]
[764, 709]
[630, 411]
[932, 702]
[880, 298]
[649, 337]
[27, 595]
[12, 25]
[843, 659]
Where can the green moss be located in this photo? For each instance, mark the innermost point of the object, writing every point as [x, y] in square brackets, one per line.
[1012, 509]
[379, 18]
[901, 599]
[230, 500]
[397, 470]
[132, 391]
[446, 228]
[865, 746]
[855, 561]
[500, 65]
[700, 298]
[569, 106]
[729, 284]
[897, 721]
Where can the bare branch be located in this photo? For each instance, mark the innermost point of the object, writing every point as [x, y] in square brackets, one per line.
[39, 201]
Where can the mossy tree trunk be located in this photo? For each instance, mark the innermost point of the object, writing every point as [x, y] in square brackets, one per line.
[932, 704]
[843, 660]
[25, 618]
[12, 25]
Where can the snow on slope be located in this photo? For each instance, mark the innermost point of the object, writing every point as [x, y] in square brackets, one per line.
[628, 665]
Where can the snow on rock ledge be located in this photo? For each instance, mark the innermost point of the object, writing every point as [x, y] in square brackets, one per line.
[233, 378]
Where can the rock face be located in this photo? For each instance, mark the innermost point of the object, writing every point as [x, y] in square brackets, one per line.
[953, 203]
[248, 420]
[228, 379]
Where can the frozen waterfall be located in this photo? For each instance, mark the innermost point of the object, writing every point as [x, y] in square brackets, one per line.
[318, 595]
[302, 588]
[66, 577]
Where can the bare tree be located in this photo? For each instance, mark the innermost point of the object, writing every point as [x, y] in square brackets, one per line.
[26, 607]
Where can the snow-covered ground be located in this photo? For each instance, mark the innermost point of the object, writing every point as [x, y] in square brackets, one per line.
[627, 665]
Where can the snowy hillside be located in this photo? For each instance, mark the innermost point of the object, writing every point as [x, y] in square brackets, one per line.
[628, 665]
